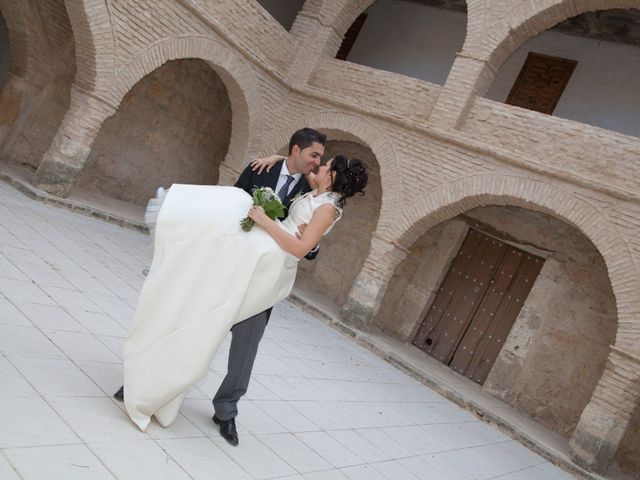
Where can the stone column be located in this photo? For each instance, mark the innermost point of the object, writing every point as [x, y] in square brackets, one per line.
[70, 148]
[469, 76]
[605, 419]
[367, 292]
[318, 41]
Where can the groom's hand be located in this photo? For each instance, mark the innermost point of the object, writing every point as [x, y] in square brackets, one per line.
[301, 228]
[313, 253]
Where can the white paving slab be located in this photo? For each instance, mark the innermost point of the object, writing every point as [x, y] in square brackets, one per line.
[30, 421]
[51, 317]
[13, 383]
[10, 315]
[56, 378]
[138, 459]
[319, 407]
[19, 341]
[70, 462]
[203, 460]
[256, 458]
[7, 471]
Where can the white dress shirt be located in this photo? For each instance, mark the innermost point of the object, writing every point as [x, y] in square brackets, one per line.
[282, 179]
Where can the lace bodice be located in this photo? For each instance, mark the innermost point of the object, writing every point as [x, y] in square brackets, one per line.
[302, 209]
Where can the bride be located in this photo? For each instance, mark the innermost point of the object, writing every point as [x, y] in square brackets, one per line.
[208, 274]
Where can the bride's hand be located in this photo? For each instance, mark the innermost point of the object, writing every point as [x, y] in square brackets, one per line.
[258, 216]
[266, 163]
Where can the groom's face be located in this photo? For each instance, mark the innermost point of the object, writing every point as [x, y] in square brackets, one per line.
[308, 159]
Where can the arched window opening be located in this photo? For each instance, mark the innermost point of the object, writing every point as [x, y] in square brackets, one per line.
[417, 38]
[586, 68]
[174, 126]
[284, 11]
[451, 297]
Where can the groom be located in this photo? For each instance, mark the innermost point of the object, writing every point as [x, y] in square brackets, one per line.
[286, 178]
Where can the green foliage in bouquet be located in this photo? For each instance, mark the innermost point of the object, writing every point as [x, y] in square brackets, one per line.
[266, 198]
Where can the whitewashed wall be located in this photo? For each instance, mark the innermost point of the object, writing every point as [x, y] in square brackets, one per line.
[604, 89]
[284, 11]
[411, 39]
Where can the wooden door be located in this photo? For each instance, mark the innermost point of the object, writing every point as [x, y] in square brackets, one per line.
[477, 303]
[541, 82]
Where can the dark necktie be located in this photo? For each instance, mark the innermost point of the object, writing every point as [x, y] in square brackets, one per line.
[284, 191]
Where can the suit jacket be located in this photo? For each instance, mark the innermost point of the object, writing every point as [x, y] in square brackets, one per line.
[250, 179]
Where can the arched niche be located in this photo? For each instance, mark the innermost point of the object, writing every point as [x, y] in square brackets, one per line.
[590, 66]
[555, 351]
[173, 126]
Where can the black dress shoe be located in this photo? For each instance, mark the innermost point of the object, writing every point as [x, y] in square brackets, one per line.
[227, 430]
[119, 395]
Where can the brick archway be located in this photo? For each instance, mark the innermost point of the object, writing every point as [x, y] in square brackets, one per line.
[496, 43]
[238, 78]
[453, 199]
[604, 420]
[341, 16]
[95, 47]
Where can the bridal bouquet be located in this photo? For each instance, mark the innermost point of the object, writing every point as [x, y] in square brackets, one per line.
[266, 198]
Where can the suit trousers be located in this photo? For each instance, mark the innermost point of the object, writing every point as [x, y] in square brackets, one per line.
[245, 338]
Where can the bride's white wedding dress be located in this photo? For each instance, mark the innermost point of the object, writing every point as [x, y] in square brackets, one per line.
[207, 274]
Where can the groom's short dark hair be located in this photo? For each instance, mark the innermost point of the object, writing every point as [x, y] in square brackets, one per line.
[304, 137]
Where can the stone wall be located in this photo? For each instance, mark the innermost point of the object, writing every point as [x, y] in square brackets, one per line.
[173, 127]
[5, 59]
[33, 105]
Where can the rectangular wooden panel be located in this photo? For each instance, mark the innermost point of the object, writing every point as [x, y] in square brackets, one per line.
[493, 321]
[504, 317]
[459, 296]
[445, 294]
[541, 82]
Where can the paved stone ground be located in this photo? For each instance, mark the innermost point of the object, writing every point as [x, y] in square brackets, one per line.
[319, 406]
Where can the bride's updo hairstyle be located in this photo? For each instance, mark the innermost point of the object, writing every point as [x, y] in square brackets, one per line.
[350, 177]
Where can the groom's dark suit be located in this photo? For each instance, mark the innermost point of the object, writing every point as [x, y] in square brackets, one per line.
[250, 179]
[246, 335]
